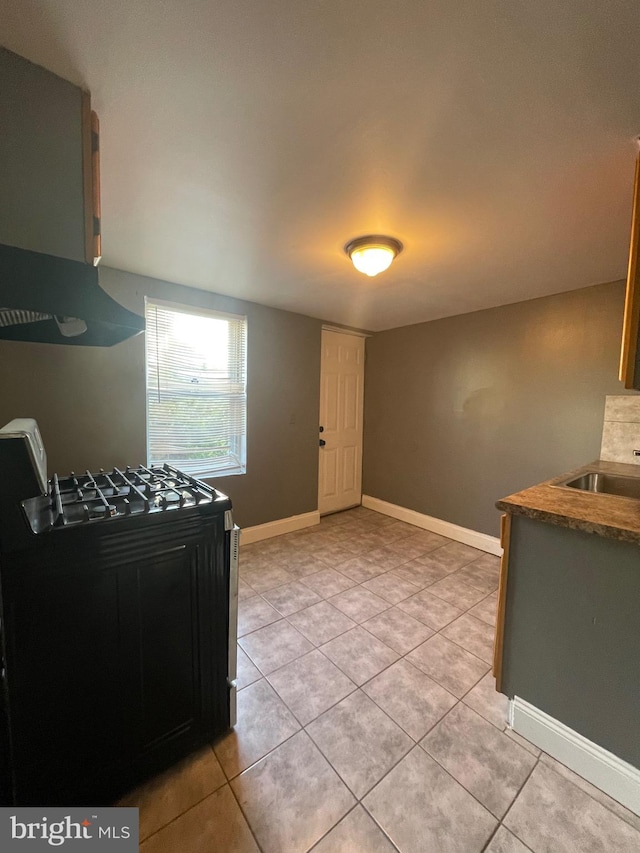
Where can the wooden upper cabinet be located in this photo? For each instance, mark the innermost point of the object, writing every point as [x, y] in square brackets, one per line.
[48, 163]
[630, 355]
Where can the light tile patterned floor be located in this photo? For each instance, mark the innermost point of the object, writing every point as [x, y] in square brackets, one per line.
[368, 720]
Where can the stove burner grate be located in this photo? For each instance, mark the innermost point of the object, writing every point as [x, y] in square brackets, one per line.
[91, 497]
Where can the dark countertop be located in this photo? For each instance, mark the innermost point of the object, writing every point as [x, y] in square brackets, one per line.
[605, 515]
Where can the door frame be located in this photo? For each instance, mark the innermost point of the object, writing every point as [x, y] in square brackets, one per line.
[327, 327]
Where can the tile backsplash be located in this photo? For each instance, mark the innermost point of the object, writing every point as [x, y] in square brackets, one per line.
[621, 429]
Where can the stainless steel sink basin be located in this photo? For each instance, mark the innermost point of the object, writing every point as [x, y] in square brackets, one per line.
[606, 484]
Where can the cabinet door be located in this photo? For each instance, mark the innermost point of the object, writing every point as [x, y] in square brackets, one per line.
[70, 677]
[181, 624]
[169, 651]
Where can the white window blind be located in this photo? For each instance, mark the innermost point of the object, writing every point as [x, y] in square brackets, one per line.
[196, 389]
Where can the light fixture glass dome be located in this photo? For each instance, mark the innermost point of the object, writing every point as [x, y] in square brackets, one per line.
[373, 254]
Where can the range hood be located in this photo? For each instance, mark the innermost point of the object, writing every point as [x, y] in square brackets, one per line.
[51, 300]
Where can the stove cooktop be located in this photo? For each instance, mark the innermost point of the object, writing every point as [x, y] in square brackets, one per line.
[87, 498]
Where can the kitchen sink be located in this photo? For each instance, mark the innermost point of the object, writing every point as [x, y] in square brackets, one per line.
[606, 484]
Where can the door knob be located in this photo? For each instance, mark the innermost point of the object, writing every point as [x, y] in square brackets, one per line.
[322, 442]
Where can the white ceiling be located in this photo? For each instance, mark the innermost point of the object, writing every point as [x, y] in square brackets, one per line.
[244, 142]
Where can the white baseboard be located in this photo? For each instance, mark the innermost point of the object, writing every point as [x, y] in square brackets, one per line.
[278, 527]
[597, 765]
[482, 541]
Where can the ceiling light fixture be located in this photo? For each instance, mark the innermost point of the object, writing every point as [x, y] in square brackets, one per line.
[373, 254]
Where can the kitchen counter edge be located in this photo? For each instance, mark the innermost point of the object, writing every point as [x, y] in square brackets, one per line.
[605, 515]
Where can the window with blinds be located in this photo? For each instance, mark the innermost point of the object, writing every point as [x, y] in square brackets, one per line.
[196, 389]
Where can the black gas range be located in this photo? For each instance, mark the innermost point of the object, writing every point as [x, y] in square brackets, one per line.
[101, 496]
[118, 609]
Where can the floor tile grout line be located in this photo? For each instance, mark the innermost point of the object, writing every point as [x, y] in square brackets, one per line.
[503, 731]
[402, 656]
[336, 566]
[226, 783]
[344, 817]
[361, 625]
[335, 770]
[462, 699]
[316, 645]
[395, 763]
[451, 575]
[457, 781]
[303, 727]
[331, 828]
[506, 828]
[329, 564]
[395, 722]
[604, 805]
[359, 585]
[464, 649]
[517, 837]
[473, 686]
[477, 588]
[299, 580]
[261, 671]
[488, 595]
[244, 770]
[385, 571]
[475, 683]
[380, 827]
[397, 578]
[356, 688]
[364, 683]
[451, 776]
[431, 727]
[329, 708]
[246, 819]
[384, 776]
[491, 837]
[342, 670]
[520, 790]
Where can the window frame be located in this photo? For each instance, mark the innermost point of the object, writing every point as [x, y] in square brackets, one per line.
[239, 443]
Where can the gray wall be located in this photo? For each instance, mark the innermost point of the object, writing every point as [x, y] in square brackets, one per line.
[463, 411]
[90, 401]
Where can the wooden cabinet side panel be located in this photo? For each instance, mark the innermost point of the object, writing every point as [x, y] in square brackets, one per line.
[91, 181]
[629, 373]
[505, 535]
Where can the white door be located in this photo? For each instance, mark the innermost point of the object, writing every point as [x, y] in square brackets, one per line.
[341, 404]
